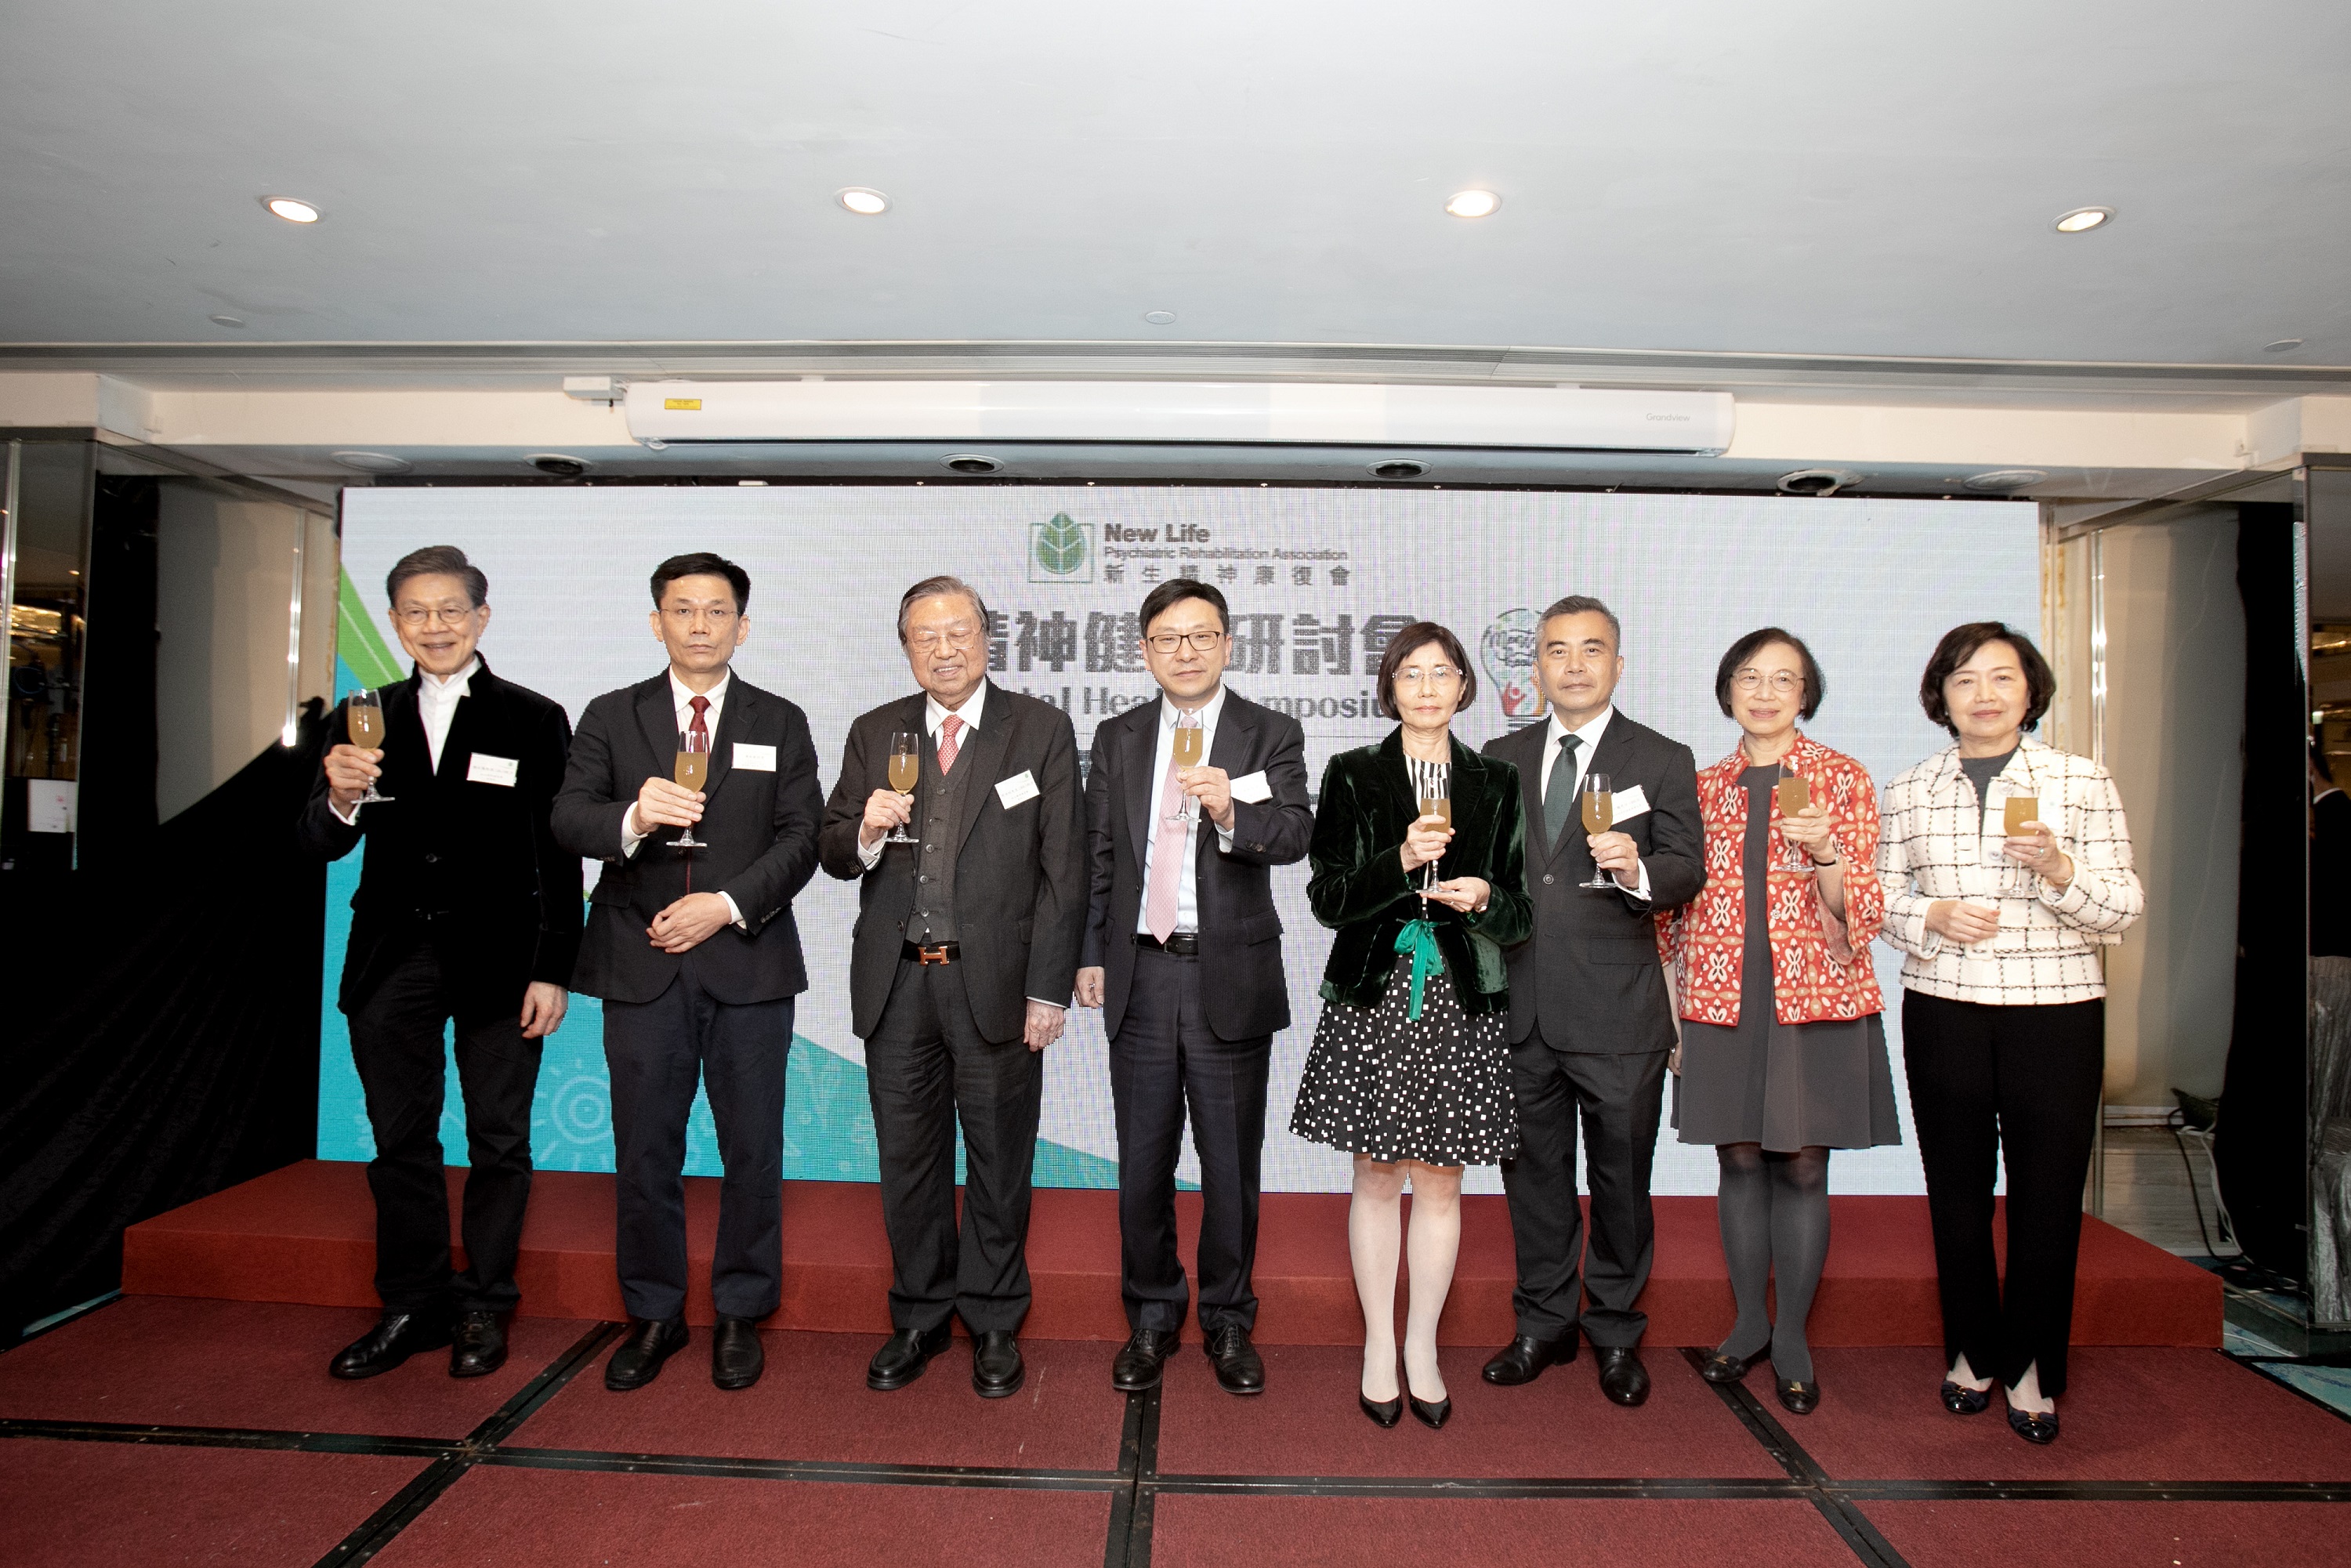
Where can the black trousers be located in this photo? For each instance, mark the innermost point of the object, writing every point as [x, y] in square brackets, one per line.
[656, 1051]
[926, 1067]
[396, 1038]
[1618, 1099]
[2019, 1085]
[1163, 1056]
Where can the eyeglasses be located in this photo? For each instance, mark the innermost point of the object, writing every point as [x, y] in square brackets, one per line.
[1782, 681]
[445, 614]
[951, 637]
[1436, 677]
[1167, 643]
[698, 617]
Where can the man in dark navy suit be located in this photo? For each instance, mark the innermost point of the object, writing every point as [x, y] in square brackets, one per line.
[1183, 954]
[697, 956]
[467, 911]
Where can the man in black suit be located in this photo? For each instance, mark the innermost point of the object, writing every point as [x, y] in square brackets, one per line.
[1184, 954]
[1592, 1026]
[697, 956]
[960, 972]
[467, 911]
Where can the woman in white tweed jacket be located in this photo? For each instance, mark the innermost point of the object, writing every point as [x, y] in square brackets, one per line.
[2003, 1007]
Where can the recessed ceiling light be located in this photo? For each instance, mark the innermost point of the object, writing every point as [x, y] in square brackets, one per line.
[1159, 318]
[1473, 203]
[374, 462]
[2000, 479]
[2082, 220]
[2282, 346]
[1818, 481]
[862, 201]
[228, 321]
[292, 210]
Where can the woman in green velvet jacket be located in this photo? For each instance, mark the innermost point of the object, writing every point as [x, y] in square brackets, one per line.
[1410, 1068]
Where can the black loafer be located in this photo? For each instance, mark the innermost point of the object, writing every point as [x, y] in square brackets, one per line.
[904, 1355]
[1239, 1368]
[395, 1337]
[1721, 1367]
[1383, 1412]
[2036, 1428]
[1622, 1377]
[479, 1346]
[1798, 1398]
[1961, 1400]
[1141, 1361]
[997, 1372]
[1429, 1415]
[1523, 1359]
[737, 1357]
[639, 1360]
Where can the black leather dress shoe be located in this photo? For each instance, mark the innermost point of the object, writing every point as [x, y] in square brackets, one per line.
[1429, 1415]
[1143, 1359]
[997, 1372]
[1962, 1400]
[1798, 1398]
[395, 1337]
[737, 1357]
[1725, 1368]
[1523, 1359]
[904, 1355]
[1383, 1412]
[1622, 1377]
[1239, 1368]
[639, 1360]
[479, 1347]
[2041, 1429]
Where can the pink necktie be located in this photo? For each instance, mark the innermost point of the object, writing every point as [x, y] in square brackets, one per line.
[1166, 859]
[947, 747]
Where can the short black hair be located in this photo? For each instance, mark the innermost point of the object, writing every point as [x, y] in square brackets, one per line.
[1411, 641]
[1584, 604]
[438, 560]
[702, 563]
[1816, 685]
[1959, 644]
[1174, 592]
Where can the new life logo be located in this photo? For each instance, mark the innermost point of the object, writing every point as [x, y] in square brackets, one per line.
[1061, 551]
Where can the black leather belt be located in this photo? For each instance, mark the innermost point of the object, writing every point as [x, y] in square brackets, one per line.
[937, 953]
[1182, 944]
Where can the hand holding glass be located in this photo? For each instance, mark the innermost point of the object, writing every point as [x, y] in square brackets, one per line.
[1795, 795]
[1189, 747]
[364, 718]
[1599, 814]
[2018, 812]
[692, 772]
[1441, 808]
[905, 773]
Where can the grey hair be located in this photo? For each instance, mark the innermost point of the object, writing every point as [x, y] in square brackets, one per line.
[939, 587]
[1584, 604]
[438, 560]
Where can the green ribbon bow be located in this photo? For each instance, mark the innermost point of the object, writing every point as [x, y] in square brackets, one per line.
[1419, 938]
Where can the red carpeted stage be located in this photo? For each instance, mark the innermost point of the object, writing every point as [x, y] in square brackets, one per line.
[306, 1234]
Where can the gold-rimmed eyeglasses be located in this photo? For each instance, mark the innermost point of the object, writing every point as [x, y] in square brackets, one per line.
[1782, 682]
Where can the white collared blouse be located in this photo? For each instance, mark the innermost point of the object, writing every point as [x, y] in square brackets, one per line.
[1938, 842]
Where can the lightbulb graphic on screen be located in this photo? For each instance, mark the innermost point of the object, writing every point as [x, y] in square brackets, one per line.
[1507, 652]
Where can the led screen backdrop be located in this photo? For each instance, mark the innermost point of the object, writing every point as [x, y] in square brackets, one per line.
[1317, 579]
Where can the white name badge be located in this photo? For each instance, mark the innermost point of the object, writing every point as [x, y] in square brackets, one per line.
[493, 770]
[1017, 788]
[758, 758]
[1627, 805]
[1252, 788]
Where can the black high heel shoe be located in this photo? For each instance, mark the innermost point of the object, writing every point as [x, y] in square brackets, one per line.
[1429, 1415]
[1385, 1413]
[1964, 1401]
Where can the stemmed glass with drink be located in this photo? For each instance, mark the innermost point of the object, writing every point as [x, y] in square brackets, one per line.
[693, 773]
[2016, 813]
[1795, 793]
[1599, 803]
[1436, 801]
[905, 773]
[364, 718]
[1190, 746]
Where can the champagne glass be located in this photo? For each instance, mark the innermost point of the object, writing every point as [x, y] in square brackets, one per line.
[1190, 745]
[363, 718]
[693, 773]
[2017, 811]
[1599, 814]
[1436, 801]
[905, 773]
[1795, 794]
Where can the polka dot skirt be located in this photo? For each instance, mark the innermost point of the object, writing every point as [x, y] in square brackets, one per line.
[1437, 1091]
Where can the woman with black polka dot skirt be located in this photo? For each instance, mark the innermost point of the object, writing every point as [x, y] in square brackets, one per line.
[1419, 866]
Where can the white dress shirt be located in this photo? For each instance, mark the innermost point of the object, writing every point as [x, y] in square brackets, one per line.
[632, 832]
[436, 705]
[1587, 745]
[1162, 753]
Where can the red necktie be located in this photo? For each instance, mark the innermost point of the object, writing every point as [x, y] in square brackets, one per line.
[698, 729]
[948, 727]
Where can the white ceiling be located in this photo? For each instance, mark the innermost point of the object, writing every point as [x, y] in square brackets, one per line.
[1830, 177]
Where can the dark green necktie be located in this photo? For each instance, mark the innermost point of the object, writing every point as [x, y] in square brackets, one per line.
[1559, 795]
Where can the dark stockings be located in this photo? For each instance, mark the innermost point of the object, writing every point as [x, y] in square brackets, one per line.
[1775, 1211]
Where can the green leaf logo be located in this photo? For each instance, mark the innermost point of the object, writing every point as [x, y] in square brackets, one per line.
[1061, 546]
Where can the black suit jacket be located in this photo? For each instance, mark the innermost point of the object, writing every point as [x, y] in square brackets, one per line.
[1589, 976]
[760, 825]
[1240, 931]
[1021, 874]
[478, 858]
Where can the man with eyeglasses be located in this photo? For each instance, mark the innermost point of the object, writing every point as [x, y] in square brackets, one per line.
[1184, 955]
[960, 973]
[467, 911]
[1592, 1023]
[696, 956]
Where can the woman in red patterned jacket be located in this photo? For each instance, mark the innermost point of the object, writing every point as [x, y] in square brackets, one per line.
[1783, 1050]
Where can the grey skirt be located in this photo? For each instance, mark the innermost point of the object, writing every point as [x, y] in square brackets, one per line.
[1786, 1086]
